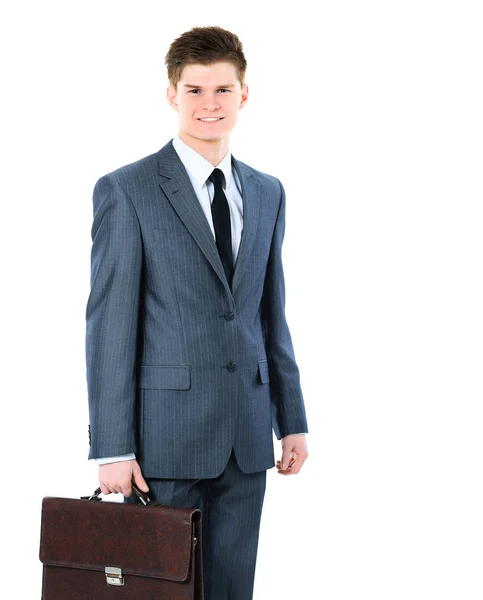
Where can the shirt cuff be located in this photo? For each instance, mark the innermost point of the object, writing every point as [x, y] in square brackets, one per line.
[110, 459]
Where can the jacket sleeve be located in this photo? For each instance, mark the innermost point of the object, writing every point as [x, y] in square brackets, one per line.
[288, 410]
[112, 321]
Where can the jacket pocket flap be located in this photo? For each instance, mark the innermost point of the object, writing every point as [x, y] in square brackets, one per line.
[164, 377]
[263, 370]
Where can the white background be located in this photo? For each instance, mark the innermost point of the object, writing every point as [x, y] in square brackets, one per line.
[371, 115]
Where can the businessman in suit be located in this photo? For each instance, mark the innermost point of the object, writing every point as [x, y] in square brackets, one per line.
[190, 362]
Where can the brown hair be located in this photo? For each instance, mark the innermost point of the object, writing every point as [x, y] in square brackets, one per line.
[204, 45]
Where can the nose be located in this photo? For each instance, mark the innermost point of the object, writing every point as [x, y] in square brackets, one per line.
[211, 103]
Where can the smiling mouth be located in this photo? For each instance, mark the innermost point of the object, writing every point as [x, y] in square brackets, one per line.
[210, 119]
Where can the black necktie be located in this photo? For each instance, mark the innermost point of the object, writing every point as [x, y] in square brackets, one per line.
[221, 222]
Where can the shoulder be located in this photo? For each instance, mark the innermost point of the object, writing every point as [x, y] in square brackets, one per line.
[267, 181]
[133, 176]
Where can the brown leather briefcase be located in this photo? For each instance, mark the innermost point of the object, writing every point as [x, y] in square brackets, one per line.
[92, 549]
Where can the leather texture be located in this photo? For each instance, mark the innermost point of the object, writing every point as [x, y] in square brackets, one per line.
[153, 545]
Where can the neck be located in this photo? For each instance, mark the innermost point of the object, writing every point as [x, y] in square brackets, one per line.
[213, 150]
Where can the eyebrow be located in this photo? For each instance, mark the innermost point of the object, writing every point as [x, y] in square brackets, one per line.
[189, 85]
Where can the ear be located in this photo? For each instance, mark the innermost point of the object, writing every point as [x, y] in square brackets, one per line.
[244, 96]
[171, 95]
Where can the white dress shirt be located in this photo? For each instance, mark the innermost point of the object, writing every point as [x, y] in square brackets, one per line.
[199, 169]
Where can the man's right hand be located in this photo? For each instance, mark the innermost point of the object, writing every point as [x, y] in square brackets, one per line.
[117, 477]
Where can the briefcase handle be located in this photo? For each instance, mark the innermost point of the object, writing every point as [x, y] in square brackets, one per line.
[141, 495]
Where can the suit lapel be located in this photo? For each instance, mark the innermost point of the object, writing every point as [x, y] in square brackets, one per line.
[251, 196]
[176, 184]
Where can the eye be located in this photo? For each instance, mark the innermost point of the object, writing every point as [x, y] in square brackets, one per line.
[192, 91]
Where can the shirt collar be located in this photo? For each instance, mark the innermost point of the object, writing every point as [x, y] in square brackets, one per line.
[198, 167]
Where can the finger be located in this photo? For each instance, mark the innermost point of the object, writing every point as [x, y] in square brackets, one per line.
[286, 471]
[292, 468]
[126, 489]
[296, 466]
[286, 456]
[285, 462]
[289, 460]
[110, 487]
[104, 489]
[139, 479]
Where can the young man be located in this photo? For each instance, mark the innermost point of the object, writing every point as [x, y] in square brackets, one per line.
[190, 362]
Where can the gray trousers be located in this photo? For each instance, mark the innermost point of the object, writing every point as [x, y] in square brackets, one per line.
[231, 507]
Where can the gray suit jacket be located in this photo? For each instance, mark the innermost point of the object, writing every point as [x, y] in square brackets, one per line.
[181, 368]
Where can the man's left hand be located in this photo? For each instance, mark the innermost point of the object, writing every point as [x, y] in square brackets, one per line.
[294, 453]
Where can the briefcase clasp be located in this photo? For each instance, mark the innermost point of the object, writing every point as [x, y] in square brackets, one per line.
[114, 576]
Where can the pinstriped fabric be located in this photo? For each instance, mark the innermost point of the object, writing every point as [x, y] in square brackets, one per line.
[116, 262]
[231, 506]
[181, 369]
[157, 377]
[281, 358]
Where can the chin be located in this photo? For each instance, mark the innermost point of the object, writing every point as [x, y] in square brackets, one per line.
[206, 136]
[211, 137]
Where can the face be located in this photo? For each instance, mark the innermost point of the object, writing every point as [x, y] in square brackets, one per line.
[208, 92]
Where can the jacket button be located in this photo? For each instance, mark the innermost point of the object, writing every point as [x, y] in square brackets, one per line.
[231, 366]
[229, 316]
